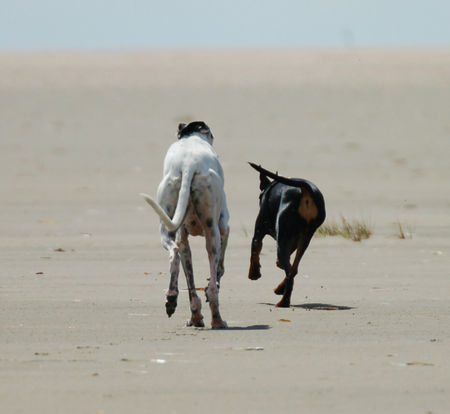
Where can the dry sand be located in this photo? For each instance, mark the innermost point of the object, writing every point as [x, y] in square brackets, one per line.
[84, 330]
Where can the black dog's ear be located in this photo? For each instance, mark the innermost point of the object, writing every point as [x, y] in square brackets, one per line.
[264, 182]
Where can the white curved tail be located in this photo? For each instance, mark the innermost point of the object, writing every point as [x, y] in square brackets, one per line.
[182, 205]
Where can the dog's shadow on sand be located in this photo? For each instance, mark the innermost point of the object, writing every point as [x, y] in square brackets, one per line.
[249, 328]
[316, 306]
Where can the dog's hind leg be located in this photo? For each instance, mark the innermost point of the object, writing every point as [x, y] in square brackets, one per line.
[194, 300]
[286, 286]
[303, 244]
[224, 229]
[174, 269]
[207, 199]
[286, 236]
[212, 290]
[167, 198]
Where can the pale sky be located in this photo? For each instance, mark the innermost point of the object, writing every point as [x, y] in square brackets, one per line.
[148, 24]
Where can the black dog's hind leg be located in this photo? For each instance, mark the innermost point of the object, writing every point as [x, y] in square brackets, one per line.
[292, 235]
[286, 236]
[286, 286]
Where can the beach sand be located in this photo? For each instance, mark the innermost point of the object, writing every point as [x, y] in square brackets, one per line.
[83, 276]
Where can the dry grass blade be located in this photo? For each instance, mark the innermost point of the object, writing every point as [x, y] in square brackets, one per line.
[354, 230]
[420, 363]
[401, 233]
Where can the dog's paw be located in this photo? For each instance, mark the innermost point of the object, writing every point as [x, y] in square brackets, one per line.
[283, 304]
[171, 305]
[279, 290]
[218, 324]
[198, 323]
[196, 316]
[254, 272]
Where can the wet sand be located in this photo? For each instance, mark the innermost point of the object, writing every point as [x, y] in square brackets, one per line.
[83, 276]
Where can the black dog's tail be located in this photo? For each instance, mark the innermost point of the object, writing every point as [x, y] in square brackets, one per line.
[293, 182]
[304, 185]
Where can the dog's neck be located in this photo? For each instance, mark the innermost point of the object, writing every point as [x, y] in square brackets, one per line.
[204, 137]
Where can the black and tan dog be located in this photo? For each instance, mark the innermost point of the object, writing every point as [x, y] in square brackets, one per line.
[291, 209]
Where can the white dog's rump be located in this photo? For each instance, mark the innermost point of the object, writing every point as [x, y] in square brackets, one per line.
[191, 201]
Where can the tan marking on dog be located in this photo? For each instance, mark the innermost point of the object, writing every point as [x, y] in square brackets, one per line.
[193, 223]
[307, 208]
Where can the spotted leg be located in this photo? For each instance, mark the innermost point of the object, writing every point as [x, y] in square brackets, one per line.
[194, 300]
[172, 293]
[224, 229]
[212, 290]
[208, 192]
[167, 198]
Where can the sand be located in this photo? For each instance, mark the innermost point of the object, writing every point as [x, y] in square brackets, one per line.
[83, 327]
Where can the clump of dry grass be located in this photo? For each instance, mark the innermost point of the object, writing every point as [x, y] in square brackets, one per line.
[401, 233]
[354, 230]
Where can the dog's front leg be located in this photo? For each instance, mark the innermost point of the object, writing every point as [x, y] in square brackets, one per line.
[254, 272]
[194, 300]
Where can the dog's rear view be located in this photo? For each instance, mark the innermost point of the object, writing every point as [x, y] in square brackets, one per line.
[191, 201]
[291, 209]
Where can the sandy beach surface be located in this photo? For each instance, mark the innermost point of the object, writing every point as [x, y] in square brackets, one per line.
[83, 276]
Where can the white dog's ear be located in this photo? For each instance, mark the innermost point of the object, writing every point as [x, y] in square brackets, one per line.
[181, 126]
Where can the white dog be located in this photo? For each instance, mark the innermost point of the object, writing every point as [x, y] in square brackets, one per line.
[191, 201]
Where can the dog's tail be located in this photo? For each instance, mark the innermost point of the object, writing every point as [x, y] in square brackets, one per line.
[174, 223]
[294, 182]
[299, 183]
